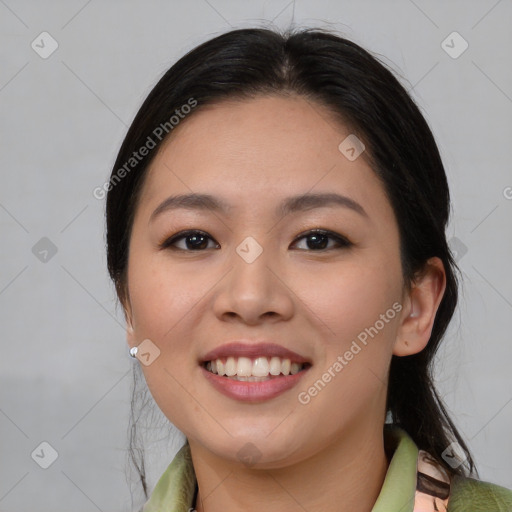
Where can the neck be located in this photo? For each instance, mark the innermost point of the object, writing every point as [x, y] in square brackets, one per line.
[346, 475]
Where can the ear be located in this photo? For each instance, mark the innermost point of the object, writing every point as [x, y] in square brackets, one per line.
[420, 308]
[128, 315]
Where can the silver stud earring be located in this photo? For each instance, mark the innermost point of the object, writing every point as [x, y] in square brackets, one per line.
[133, 351]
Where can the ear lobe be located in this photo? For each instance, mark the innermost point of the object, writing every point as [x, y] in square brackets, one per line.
[423, 301]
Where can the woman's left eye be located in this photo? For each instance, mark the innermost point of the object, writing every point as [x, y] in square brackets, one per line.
[319, 240]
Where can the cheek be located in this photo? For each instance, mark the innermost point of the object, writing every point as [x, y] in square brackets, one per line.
[165, 303]
[360, 306]
[349, 298]
[160, 296]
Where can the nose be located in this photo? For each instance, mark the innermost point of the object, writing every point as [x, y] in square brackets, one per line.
[254, 290]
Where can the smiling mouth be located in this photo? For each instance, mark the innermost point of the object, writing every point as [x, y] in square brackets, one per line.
[256, 369]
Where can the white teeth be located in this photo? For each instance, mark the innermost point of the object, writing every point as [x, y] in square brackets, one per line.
[260, 367]
[244, 367]
[253, 370]
[275, 366]
[230, 367]
[249, 379]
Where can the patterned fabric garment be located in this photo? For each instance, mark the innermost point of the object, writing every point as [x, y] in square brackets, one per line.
[432, 487]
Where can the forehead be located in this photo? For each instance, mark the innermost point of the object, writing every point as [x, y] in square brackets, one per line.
[259, 149]
[260, 130]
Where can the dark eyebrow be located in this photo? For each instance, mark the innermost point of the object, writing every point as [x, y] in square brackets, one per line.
[309, 201]
[289, 205]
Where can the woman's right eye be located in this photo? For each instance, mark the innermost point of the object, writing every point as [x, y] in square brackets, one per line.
[194, 240]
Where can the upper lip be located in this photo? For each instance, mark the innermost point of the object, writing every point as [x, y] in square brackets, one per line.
[253, 350]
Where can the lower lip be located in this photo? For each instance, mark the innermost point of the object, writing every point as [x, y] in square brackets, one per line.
[253, 391]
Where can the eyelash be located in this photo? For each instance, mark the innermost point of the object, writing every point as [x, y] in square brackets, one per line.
[343, 243]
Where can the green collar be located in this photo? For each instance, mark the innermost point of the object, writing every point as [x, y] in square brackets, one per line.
[175, 490]
[399, 487]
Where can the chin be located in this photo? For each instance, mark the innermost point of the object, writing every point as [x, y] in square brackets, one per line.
[256, 449]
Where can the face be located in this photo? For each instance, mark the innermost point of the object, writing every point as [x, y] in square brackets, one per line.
[240, 269]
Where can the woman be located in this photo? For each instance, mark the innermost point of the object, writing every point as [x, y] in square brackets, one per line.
[276, 234]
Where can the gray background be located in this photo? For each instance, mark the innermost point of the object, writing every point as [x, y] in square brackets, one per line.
[65, 370]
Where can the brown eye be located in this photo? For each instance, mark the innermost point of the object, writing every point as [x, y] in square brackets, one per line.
[318, 240]
[194, 240]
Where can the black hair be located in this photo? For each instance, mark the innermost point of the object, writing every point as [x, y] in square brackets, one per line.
[359, 90]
